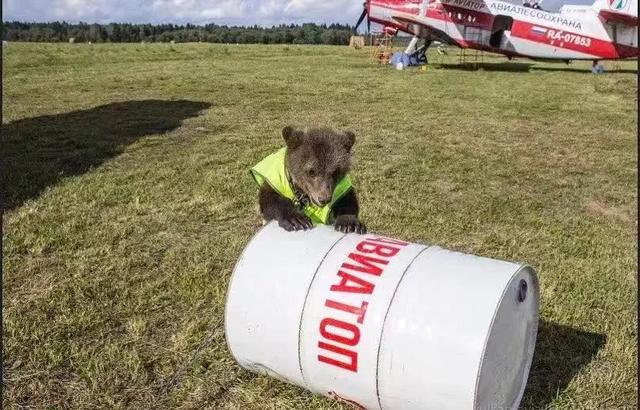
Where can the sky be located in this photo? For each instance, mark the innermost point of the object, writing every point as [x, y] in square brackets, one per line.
[230, 12]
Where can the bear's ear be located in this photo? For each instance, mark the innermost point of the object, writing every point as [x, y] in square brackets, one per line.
[292, 137]
[349, 139]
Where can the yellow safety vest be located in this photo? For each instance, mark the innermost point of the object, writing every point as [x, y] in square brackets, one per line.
[272, 171]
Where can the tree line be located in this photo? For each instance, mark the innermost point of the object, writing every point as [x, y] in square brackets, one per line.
[308, 33]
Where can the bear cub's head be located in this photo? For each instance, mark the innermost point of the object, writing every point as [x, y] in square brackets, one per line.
[317, 159]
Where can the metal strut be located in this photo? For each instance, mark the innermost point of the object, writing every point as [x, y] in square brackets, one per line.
[419, 52]
[412, 47]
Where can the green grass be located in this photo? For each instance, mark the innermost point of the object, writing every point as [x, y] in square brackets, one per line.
[129, 202]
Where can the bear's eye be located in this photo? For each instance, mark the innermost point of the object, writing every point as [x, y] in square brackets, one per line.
[311, 172]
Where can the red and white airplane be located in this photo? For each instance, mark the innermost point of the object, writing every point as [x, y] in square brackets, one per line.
[607, 30]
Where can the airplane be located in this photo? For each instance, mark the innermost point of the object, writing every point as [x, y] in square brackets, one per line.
[606, 30]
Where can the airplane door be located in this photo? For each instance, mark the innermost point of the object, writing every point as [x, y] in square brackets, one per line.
[501, 23]
[626, 35]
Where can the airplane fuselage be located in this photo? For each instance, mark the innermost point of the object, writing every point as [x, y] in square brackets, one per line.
[576, 33]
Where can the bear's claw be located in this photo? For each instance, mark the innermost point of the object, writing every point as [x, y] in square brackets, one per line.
[295, 221]
[350, 223]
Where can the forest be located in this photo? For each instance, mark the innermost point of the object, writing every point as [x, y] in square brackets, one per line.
[308, 33]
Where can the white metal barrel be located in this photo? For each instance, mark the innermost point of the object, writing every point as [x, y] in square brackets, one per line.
[382, 323]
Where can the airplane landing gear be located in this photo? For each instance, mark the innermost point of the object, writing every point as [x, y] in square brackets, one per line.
[420, 53]
[413, 44]
[597, 68]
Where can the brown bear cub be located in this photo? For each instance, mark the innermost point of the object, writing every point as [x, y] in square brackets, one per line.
[307, 182]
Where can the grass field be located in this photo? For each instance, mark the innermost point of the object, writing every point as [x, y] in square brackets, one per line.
[129, 201]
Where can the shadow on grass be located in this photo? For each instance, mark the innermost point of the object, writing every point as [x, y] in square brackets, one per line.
[586, 70]
[40, 151]
[561, 352]
[525, 68]
[509, 67]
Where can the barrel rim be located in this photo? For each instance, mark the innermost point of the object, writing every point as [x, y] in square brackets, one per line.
[304, 304]
[536, 282]
[233, 273]
[386, 315]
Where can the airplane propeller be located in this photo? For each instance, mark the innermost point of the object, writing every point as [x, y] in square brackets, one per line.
[362, 16]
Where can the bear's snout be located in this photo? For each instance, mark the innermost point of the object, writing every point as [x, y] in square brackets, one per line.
[321, 194]
[324, 200]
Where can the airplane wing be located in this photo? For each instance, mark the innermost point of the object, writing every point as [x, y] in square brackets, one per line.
[406, 18]
[623, 18]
